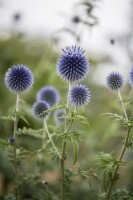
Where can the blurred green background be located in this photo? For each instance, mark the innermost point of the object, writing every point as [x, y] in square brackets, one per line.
[103, 135]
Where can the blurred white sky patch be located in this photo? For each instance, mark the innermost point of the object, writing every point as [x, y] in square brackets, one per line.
[38, 16]
[46, 17]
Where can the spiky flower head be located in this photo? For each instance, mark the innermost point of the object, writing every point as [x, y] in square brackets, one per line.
[19, 78]
[40, 109]
[49, 94]
[79, 95]
[115, 81]
[131, 77]
[59, 116]
[11, 140]
[72, 65]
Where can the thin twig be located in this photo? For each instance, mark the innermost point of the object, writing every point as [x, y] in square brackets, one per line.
[50, 138]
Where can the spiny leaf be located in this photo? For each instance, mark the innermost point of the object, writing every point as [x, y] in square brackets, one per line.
[3, 144]
[82, 119]
[116, 116]
[108, 163]
[75, 148]
[7, 118]
[55, 107]
[30, 132]
[21, 116]
[73, 138]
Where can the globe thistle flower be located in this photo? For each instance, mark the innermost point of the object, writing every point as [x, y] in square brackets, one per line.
[131, 77]
[49, 94]
[79, 95]
[11, 140]
[72, 65]
[58, 116]
[19, 78]
[115, 81]
[39, 109]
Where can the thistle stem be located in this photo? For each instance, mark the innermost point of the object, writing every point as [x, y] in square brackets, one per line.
[50, 138]
[122, 151]
[14, 147]
[119, 160]
[123, 107]
[66, 130]
[62, 162]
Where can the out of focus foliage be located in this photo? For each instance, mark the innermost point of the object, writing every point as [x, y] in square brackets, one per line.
[103, 135]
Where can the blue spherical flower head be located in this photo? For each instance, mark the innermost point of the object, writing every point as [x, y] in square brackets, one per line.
[49, 94]
[59, 116]
[131, 77]
[19, 78]
[40, 109]
[11, 140]
[115, 81]
[79, 95]
[73, 65]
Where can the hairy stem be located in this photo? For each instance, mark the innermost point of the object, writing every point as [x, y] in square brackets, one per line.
[15, 149]
[66, 130]
[123, 107]
[122, 151]
[120, 159]
[50, 138]
[62, 162]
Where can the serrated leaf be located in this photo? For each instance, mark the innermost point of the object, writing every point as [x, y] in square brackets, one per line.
[8, 118]
[3, 144]
[30, 132]
[75, 148]
[82, 119]
[21, 116]
[55, 107]
[116, 116]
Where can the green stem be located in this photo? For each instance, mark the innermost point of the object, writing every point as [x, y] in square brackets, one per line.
[66, 130]
[50, 138]
[62, 163]
[123, 107]
[122, 151]
[120, 159]
[15, 149]
[63, 171]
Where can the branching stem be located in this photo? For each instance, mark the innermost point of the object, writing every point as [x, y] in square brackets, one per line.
[50, 138]
[15, 149]
[66, 130]
[119, 159]
[123, 107]
[122, 151]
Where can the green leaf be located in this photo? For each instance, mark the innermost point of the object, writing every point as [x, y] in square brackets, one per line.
[116, 116]
[7, 118]
[21, 116]
[108, 163]
[30, 132]
[75, 148]
[82, 119]
[4, 144]
[55, 107]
